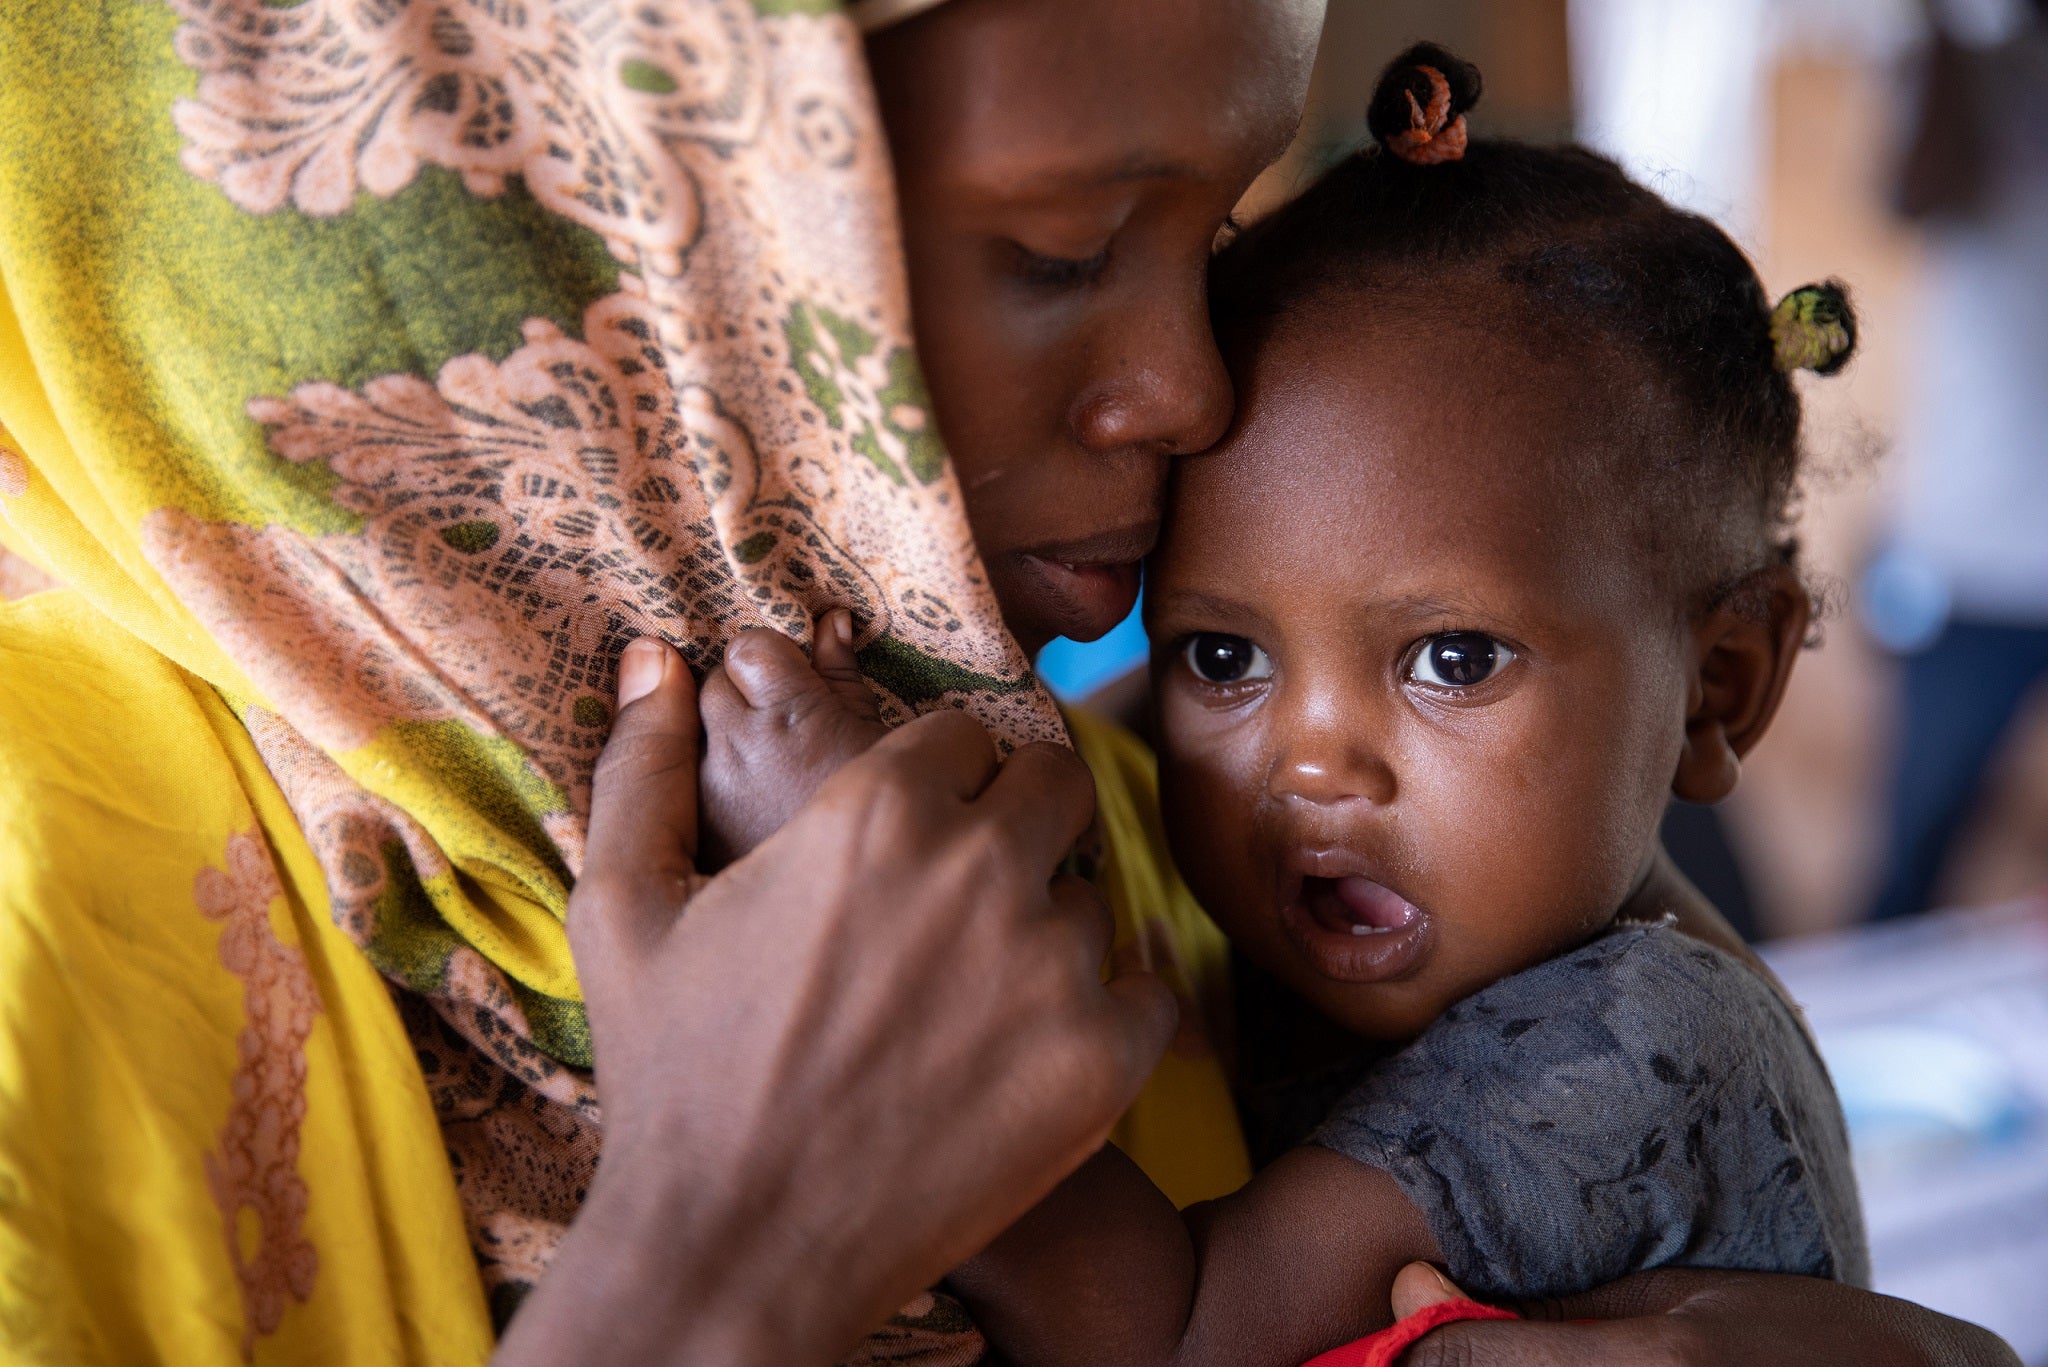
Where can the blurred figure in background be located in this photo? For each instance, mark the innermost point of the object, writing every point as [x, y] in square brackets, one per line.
[1960, 589]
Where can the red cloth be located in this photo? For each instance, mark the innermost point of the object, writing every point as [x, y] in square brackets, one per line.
[1384, 1349]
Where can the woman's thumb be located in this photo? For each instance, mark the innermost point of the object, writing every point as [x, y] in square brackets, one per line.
[643, 797]
[1419, 1286]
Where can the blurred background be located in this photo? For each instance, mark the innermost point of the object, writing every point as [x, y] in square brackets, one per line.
[1889, 841]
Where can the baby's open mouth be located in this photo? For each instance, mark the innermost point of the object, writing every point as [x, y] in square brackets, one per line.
[1356, 906]
[1351, 928]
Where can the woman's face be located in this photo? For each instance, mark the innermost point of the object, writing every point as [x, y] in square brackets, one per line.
[1064, 168]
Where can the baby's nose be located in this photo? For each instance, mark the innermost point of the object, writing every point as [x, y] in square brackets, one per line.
[1331, 775]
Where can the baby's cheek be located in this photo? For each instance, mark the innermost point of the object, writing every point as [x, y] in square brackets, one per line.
[1526, 850]
[1209, 795]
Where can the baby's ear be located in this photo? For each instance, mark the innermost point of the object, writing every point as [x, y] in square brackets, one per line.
[1743, 652]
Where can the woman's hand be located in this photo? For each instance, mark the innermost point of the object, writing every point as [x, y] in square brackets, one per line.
[1686, 1317]
[855, 1056]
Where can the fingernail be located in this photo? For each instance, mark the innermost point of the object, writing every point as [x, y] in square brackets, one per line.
[842, 626]
[1450, 1287]
[640, 669]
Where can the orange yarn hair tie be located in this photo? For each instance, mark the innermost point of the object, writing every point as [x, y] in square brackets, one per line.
[1432, 136]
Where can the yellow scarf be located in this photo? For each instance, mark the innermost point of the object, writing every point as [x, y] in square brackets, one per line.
[372, 371]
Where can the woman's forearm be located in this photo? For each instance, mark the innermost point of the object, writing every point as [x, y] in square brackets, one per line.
[645, 1279]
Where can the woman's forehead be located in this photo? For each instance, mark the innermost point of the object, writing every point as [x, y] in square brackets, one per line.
[1050, 96]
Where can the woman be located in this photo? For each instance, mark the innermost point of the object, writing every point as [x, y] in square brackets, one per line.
[384, 370]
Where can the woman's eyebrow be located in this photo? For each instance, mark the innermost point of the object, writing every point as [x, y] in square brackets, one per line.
[1147, 167]
[1055, 181]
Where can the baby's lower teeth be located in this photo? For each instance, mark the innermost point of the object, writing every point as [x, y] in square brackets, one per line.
[1357, 929]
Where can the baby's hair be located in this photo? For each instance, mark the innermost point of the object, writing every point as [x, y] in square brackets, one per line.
[1592, 266]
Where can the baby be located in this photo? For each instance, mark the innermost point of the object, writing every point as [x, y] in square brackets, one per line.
[1494, 561]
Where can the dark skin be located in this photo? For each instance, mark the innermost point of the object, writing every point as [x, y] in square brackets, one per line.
[1319, 1249]
[708, 1204]
[1064, 167]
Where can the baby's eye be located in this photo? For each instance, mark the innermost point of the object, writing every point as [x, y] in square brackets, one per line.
[1459, 659]
[1221, 659]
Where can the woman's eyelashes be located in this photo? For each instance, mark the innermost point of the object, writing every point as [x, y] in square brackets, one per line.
[1058, 272]
[1453, 660]
[1216, 658]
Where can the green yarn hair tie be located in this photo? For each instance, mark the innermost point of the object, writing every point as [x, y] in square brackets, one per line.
[1813, 328]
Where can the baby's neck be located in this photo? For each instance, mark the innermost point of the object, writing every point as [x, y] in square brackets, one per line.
[1663, 892]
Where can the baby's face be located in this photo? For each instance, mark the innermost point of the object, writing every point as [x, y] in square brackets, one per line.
[1420, 702]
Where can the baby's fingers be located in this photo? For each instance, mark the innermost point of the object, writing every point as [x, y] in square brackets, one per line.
[832, 655]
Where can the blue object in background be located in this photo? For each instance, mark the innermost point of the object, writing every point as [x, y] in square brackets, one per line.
[1074, 669]
[1905, 601]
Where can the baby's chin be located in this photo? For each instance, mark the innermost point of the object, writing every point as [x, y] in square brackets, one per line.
[1389, 1013]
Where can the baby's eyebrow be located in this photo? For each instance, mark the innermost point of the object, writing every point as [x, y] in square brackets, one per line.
[1439, 605]
[1195, 603]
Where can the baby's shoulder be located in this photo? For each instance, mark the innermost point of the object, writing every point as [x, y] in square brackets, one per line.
[1639, 1037]
[1644, 1100]
[1632, 996]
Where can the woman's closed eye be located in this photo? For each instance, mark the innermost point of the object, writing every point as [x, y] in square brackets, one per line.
[1216, 658]
[1458, 659]
[1058, 272]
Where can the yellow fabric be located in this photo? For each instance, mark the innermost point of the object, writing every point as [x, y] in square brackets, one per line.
[1183, 1130]
[122, 778]
[392, 432]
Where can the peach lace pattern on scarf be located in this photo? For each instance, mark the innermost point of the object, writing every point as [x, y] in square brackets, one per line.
[253, 1170]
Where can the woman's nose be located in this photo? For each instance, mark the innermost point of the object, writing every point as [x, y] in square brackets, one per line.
[1160, 388]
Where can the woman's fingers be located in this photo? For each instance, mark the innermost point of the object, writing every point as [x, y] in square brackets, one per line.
[1693, 1317]
[1085, 919]
[1145, 1014]
[1510, 1343]
[901, 948]
[944, 753]
[643, 797]
[1419, 1286]
[1045, 797]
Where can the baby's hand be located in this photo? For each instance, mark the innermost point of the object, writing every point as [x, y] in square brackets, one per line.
[777, 726]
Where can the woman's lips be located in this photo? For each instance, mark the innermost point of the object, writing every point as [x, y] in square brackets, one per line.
[1085, 600]
[1355, 930]
[1089, 585]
